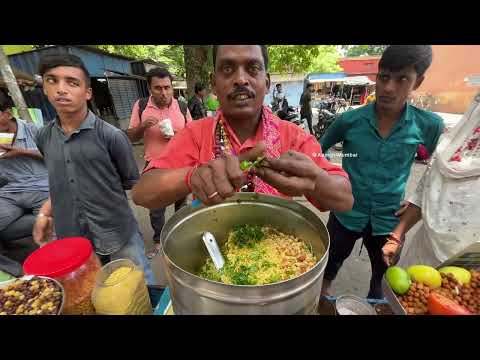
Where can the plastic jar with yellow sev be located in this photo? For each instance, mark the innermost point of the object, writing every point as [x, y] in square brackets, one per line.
[120, 289]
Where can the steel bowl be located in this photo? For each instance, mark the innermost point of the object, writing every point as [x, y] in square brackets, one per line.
[184, 253]
[28, 277]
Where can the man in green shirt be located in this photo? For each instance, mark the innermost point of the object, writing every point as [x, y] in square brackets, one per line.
[211, 102]
[380, 141]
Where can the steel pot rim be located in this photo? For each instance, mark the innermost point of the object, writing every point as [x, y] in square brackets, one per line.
[256, 287]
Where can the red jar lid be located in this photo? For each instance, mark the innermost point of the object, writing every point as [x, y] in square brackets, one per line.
[59, 257]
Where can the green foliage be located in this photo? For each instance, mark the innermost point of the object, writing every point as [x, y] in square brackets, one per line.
[283, 58]
[363, 50]
[171, 55]
[326, 61]
[303, 58]
[16, 49]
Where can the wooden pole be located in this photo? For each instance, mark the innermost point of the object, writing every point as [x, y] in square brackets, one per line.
[13, 87]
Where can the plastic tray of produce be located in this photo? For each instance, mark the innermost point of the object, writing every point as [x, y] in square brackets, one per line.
[469, 259]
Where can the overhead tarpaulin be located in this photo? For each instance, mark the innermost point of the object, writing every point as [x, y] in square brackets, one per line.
[358, 81]
[324, 78]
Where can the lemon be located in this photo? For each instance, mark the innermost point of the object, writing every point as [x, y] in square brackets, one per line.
[426, 275]
[462, 275]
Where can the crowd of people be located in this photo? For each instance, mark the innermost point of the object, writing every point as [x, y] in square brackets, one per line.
[69, 178]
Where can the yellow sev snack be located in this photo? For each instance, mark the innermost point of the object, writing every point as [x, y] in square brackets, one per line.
[121, 290]
[259, 255]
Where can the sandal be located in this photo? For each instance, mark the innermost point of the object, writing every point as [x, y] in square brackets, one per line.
[154, 251]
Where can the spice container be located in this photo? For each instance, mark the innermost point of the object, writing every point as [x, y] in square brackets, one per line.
[74, 264]
[120, 289]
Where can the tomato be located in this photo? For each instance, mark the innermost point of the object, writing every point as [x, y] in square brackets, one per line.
[441, 305]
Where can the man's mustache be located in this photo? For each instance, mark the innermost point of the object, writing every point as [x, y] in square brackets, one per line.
[241, 90]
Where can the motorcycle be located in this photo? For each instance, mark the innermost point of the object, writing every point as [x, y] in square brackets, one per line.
[327, 113]
[290, 113]
[325, 119]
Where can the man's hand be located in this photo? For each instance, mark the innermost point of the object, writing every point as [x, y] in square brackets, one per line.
[391, 249]
[149, 122]
[11, 152]
[292, 174]
[214, 182]
[403, 207]
[42, 230]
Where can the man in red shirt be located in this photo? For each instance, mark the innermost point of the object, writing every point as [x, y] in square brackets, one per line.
[145, 123]
[204, 158]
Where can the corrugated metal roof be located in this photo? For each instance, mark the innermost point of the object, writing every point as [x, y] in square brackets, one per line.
[95, 61]
[84, 47]
[152, 62]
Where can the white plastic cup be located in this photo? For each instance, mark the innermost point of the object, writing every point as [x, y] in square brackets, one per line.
[6, 138]
[166, 127]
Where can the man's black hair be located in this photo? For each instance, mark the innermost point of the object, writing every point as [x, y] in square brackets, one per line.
[161, 73]
[398, 57]
[5, 102]
[262, 47]
[49, 62]
[278, 85]
[199, 87]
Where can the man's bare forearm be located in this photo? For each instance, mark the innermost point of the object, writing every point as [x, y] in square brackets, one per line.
[410, 217]
[46, 208]
[159, 188]
[136, 134]
[332, 192]
[34, 154]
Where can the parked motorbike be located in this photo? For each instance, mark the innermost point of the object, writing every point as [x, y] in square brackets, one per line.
[327, 114]
[292, 114]
[325, 119]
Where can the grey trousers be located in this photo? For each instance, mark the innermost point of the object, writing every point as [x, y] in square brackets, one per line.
[15, 205]
[157, 219]
[16, 223]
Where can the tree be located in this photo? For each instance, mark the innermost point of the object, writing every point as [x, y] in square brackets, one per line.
[326, 61]
[303, 58]
[363, 50]
[133, 51]
[171, 55]
[174, 56]
[195, 62]
[16, 49]
[198, 65]
[13, 87]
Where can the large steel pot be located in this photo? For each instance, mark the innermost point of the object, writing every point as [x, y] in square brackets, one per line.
[184, 253]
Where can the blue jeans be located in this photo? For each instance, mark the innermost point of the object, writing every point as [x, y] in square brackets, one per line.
[134, 250]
